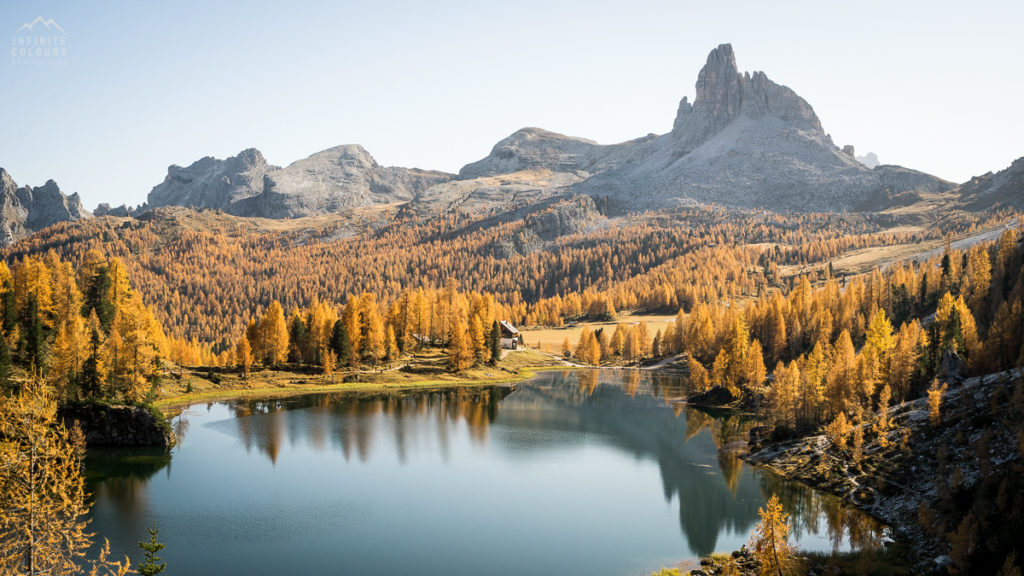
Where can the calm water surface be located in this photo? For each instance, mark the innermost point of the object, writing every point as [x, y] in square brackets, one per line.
[572, 473]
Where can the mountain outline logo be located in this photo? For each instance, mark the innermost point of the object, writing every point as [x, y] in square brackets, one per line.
[47, 23]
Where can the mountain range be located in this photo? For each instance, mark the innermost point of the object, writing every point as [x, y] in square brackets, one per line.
[744, 142]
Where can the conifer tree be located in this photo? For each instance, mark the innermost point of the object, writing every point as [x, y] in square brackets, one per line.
[460, 355]
[153, 564]
[42, 520]
[391, 345]
[243, 355]
[476, 338]
[274, 335]
[495, 343]
[340, 344]
[770, 540]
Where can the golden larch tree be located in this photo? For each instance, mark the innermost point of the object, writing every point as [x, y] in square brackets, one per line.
[770, 540]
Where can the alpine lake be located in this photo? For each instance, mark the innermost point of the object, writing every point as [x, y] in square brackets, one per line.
[597, 472]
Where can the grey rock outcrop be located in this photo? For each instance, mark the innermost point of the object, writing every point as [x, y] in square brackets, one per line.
[212, 183]
[328, 181]
[745, 141]
[870, 159]
[119, 426]
[25, 210]
[122, 211]
[336, 179]
[1005, 188]
[751, 143]
[538, 149]
[563, 218]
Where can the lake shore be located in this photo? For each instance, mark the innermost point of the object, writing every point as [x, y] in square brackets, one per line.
[424, 371]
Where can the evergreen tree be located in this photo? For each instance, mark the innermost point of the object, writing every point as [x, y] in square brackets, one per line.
[153, 565]
[494, 343]
[5, 364]
[340, 344]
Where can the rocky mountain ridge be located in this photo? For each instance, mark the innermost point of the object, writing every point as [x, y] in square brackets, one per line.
[1004, 188]
[26, 209]
[745, 141]
[331, 180]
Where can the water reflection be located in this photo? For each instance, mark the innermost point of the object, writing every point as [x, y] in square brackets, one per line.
[556, 416]
[350, 422]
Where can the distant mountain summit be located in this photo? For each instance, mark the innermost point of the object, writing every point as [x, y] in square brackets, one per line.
[751, 143]
[212, 183]
[1003, 188]
[25, 210]
[328, 181]
[745, 142]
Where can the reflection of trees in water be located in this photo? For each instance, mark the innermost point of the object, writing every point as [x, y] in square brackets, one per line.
[120, 476]
[350, 422]
[808, 507]
[696, 451]
[631, 410]
[628, 409]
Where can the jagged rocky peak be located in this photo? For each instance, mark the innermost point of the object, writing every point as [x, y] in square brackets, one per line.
[26, 209]
[870, 159]
[7, 184]
[1003, 188]
[212, 183]
[723, 95]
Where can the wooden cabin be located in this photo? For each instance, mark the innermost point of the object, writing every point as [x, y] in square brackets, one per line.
[509, 335]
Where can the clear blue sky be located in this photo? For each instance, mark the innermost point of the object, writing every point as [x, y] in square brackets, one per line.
[933, 85]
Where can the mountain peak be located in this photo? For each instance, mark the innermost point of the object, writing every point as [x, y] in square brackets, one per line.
[724, 94]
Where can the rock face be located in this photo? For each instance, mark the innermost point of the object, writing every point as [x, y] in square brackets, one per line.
[870, 159]
[339, 178]
[564, 217]
[745, 141]
[25, 210]
[1005, 187]
[537, 149]
[118, 426]
[749, 142]
[328, 181]
[212, 183]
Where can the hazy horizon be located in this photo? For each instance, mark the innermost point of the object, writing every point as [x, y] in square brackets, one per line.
[140, 87]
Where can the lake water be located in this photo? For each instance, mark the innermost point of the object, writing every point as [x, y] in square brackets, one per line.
[597, 472]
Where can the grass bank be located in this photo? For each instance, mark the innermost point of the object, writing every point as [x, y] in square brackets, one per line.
[427, 370]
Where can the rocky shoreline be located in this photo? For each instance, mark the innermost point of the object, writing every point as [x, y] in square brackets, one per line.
[901, 478]
[119, 426]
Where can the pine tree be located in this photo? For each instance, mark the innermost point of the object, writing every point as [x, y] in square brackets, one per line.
[340, 344]
[153, 565]
[770, 540]
[495, 343]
